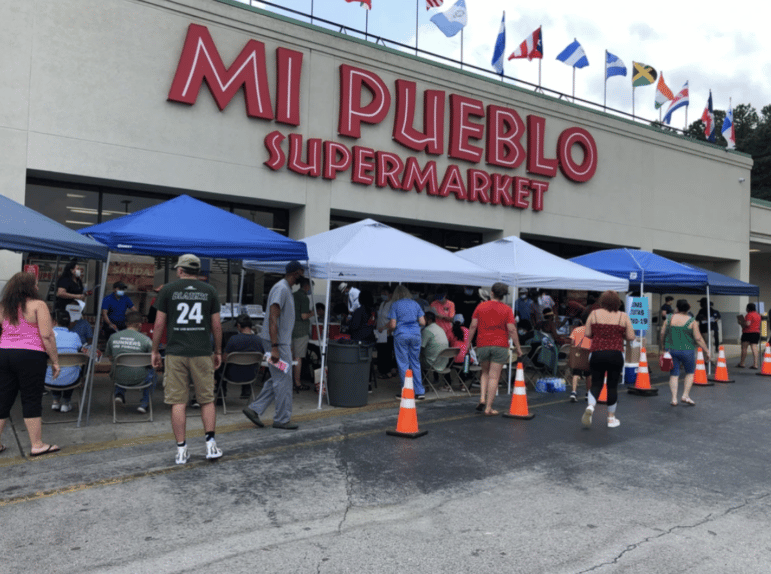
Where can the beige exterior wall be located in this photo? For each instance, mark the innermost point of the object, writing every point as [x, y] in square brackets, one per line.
[85, 97]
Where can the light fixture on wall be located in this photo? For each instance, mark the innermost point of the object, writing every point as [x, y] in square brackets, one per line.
[741, 180]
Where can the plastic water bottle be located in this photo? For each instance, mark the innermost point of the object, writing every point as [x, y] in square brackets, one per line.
[465, 364]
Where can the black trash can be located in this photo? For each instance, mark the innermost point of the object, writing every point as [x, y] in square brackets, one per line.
[348, 372]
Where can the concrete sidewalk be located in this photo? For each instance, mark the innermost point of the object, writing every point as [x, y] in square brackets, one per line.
[102, 434]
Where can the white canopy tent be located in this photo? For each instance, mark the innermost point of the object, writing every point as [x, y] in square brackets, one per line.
[372, 251]
[523, 265]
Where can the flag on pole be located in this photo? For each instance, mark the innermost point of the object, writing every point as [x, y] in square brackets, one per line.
[363, 3]
[574, 55]
[663, 93]
[433, 4]
[642, 74]
[453, 20]
[531, 48]
[500, 47]
[679, 101]
[614, 66]
[728, 131]
[708, 117]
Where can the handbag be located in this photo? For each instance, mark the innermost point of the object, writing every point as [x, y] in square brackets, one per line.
[665, 362]
[578, 359]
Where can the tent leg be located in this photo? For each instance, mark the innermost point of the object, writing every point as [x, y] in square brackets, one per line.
[709, 334]
[89, 384]
[323, 385]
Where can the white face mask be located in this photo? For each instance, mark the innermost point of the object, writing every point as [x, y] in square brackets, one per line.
[77, 272]
[120, 293]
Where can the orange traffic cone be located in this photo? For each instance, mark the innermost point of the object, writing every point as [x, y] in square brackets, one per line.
[700, 376]
[407, 425]
[642, 384]
[721, 372]
[604, 393]
[518, 409]
[766, 367]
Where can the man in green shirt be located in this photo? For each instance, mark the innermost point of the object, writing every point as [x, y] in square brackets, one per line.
[130, 340]
[190, 309]
[301, 331]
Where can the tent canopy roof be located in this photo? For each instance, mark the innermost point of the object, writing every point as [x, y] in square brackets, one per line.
[187, 225]
[24, 229]
[371, 251]
[525, 265]
[720, 284]
[657, 274]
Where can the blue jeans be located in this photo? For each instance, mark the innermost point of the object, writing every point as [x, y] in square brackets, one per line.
[407, 351]
[687, 358]
[146, 392]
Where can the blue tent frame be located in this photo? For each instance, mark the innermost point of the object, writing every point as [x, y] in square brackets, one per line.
[186, 225]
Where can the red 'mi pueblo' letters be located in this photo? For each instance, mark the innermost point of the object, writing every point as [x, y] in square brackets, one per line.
[494, 133]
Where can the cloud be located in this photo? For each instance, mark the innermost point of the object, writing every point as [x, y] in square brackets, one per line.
[643, 31]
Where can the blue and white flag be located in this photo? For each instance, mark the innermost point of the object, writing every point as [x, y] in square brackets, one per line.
[453, 20]
[574, 55]
[500, 47]
[613, 66]
[729, 131]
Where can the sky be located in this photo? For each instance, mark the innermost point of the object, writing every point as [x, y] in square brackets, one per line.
[727, 52]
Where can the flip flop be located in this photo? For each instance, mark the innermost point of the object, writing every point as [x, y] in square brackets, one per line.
[673, 404]
[480, 407]
[688, 402]
[2, 448]
[492, 413]
[50, 450]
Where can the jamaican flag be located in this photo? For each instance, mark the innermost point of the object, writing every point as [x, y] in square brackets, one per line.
[642, 75]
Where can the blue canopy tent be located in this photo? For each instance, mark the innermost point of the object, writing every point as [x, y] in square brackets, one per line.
[24, 229]
[720, 284]
[187, 225]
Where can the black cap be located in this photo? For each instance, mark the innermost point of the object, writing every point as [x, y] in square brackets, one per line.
[119, 285]
[293, 266]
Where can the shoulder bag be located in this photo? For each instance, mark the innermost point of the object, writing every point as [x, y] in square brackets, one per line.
[578, 359]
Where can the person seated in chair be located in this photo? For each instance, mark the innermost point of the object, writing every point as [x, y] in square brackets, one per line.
[433, 341]
[131, 340]
[245, 341]
[66, 342]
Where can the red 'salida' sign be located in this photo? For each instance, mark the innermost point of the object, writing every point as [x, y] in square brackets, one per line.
[476, 132]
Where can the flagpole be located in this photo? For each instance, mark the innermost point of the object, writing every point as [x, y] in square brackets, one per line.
[366, 25]
[539, 73]
[461, 49]
[605, 91]
[574, 84]
[417, 2]
[633, 102]
[311, 11]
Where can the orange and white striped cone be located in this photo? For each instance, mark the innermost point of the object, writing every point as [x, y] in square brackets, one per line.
[407, 425]
[604, 393]
[518, 408]
[721, 371]
[765, 369]
[642, 384]
[700, 376]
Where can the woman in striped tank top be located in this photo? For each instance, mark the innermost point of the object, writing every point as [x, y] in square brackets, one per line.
[607, 327]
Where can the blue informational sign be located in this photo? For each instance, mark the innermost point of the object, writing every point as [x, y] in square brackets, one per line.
[639, 313]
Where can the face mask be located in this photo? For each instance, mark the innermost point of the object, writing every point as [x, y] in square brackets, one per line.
[468, 291]
[120, 293]
[77, 272]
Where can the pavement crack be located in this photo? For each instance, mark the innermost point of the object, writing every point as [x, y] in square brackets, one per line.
[711, 517]
[343, 465]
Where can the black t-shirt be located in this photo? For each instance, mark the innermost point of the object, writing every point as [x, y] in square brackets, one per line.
[71, 285]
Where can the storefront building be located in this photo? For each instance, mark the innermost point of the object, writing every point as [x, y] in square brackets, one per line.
[110, 106]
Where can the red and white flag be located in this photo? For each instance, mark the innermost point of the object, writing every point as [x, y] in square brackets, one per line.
[531, 48]
[364, 3]
[433, 4]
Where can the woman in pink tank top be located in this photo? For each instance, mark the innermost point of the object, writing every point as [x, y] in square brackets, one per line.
[608, 328]
[26, 343]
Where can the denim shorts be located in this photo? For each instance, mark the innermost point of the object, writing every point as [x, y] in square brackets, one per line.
[687, 358]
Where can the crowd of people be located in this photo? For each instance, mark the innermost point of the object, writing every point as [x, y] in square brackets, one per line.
[410, 329]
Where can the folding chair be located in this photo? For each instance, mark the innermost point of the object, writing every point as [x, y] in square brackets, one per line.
[563, 362]
[428, 372]
[243, 359]
[513, 359]
[132, 360]
[69, 360]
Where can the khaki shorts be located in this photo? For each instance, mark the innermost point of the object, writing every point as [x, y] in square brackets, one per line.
[179, 372]
[498, 355]
[300, 347]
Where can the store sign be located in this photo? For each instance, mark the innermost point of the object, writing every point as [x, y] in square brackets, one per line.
[639, 313]
[477, 132]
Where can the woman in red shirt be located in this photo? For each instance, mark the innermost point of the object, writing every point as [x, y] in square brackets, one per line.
[750, 335]
[494, 321]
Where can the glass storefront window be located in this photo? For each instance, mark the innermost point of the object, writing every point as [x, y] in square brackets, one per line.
[73, 207]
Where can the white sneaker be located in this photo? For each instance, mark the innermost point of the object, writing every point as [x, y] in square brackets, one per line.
[182, 455]
[65, 408]
[142, 409]
[212, 451]
[55, 406]
[586, 420]
[613, 422]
